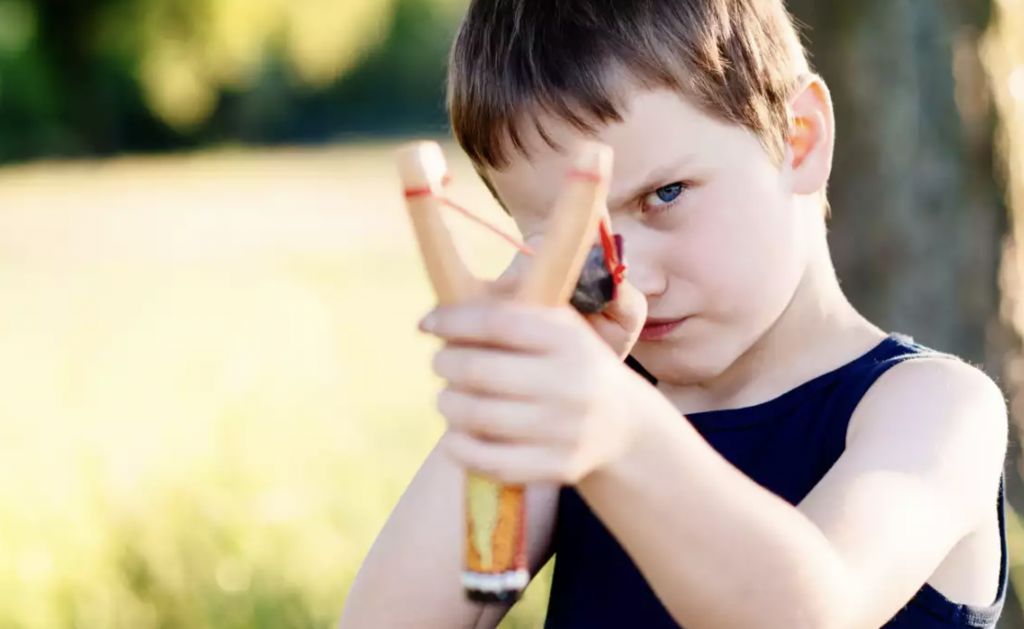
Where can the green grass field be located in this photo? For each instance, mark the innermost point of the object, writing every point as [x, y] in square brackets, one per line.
[213, 390]
[213, 387]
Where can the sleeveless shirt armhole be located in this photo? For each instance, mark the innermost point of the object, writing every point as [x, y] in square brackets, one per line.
[928, 599]
[973, 616]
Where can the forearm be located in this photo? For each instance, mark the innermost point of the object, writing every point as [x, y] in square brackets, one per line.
[411, 576]
[718, 550]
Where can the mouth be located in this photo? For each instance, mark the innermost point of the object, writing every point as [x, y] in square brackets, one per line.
[658, 329]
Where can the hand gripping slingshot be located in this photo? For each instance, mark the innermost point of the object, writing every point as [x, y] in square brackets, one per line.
[567, 266]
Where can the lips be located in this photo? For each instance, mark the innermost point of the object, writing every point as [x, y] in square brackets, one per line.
[658, 329]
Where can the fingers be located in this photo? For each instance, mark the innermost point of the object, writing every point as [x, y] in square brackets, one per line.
[629, 308]
[487, 372]
[493, 419]
[513, 464]
[622, 320]
[509, 325]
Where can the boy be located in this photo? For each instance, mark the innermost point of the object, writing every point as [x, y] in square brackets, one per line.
[765, 457]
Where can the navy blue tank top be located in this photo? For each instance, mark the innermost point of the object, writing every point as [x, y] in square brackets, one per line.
[786, 445]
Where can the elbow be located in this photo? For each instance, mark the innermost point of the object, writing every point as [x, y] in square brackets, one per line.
[821, 598]
[786, 590]
[814, 615]
[781, 613]
[823, 601]
[813, 610]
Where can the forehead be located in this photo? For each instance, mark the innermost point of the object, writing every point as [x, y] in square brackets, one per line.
[659, 128]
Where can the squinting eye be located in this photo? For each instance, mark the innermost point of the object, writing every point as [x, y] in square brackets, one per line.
[664, 195]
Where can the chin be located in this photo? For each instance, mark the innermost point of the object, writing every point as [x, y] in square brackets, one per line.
[684, 364]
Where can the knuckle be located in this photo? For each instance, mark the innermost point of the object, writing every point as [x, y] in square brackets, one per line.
[466, 413]
[473, 414]
[442, 363]
[569, 433]
[494, 324]
[578, 398]
[461, 367]
[564, 473]
[544, 424]
[447, 404]
[455, 447]
[572, 474]
[472, 373]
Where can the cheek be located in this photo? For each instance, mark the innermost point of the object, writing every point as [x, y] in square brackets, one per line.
[748, 257]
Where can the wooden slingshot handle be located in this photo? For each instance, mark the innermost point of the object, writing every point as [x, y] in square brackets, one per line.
[495, 562]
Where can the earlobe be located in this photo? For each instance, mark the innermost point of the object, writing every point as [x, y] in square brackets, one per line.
[811, 137]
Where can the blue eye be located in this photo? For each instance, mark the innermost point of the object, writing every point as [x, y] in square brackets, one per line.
[664, 196]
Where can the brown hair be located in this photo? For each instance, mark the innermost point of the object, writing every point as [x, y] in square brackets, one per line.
[514, 59]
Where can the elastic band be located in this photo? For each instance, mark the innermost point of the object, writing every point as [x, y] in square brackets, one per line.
[515, 242]
[413, 193]
[614, 265]
[611, 255]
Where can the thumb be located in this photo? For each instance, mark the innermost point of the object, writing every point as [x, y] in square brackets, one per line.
[629, 308]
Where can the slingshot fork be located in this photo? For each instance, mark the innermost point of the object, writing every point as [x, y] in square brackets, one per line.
[495, 562]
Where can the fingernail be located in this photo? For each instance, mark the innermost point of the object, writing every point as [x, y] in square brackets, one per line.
[428, 323]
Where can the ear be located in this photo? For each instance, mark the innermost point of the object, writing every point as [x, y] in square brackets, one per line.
[811, 137]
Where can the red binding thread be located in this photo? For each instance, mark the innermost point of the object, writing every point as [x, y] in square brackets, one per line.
[611, 254]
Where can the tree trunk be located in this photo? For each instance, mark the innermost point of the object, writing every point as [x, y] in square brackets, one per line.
[1004, 54]
[66, 29]
[919, 216]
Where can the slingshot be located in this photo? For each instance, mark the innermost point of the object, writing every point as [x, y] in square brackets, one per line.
[495, 563]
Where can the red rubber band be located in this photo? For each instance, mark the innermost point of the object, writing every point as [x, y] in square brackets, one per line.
[611, 255]
[518, 244]
[413, 193]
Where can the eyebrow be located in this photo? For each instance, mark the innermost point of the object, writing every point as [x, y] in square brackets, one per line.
[660, 176]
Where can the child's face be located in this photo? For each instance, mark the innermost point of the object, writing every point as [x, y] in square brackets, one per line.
[712, 234]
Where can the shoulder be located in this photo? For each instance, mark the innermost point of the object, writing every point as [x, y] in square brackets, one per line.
[935, 393]
[939, 418]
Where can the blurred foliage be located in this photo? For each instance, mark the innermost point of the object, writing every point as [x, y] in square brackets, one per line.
[209, 405]
[100, 77]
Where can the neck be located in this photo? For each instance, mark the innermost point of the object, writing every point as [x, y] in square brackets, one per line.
[819, 331]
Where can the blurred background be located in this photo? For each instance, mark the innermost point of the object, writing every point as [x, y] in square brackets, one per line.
[212, 391]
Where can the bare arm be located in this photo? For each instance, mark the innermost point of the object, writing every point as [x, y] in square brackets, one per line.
[410, 578]
[921, 472]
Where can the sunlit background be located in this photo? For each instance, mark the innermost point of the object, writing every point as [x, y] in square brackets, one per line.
[211, 387]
